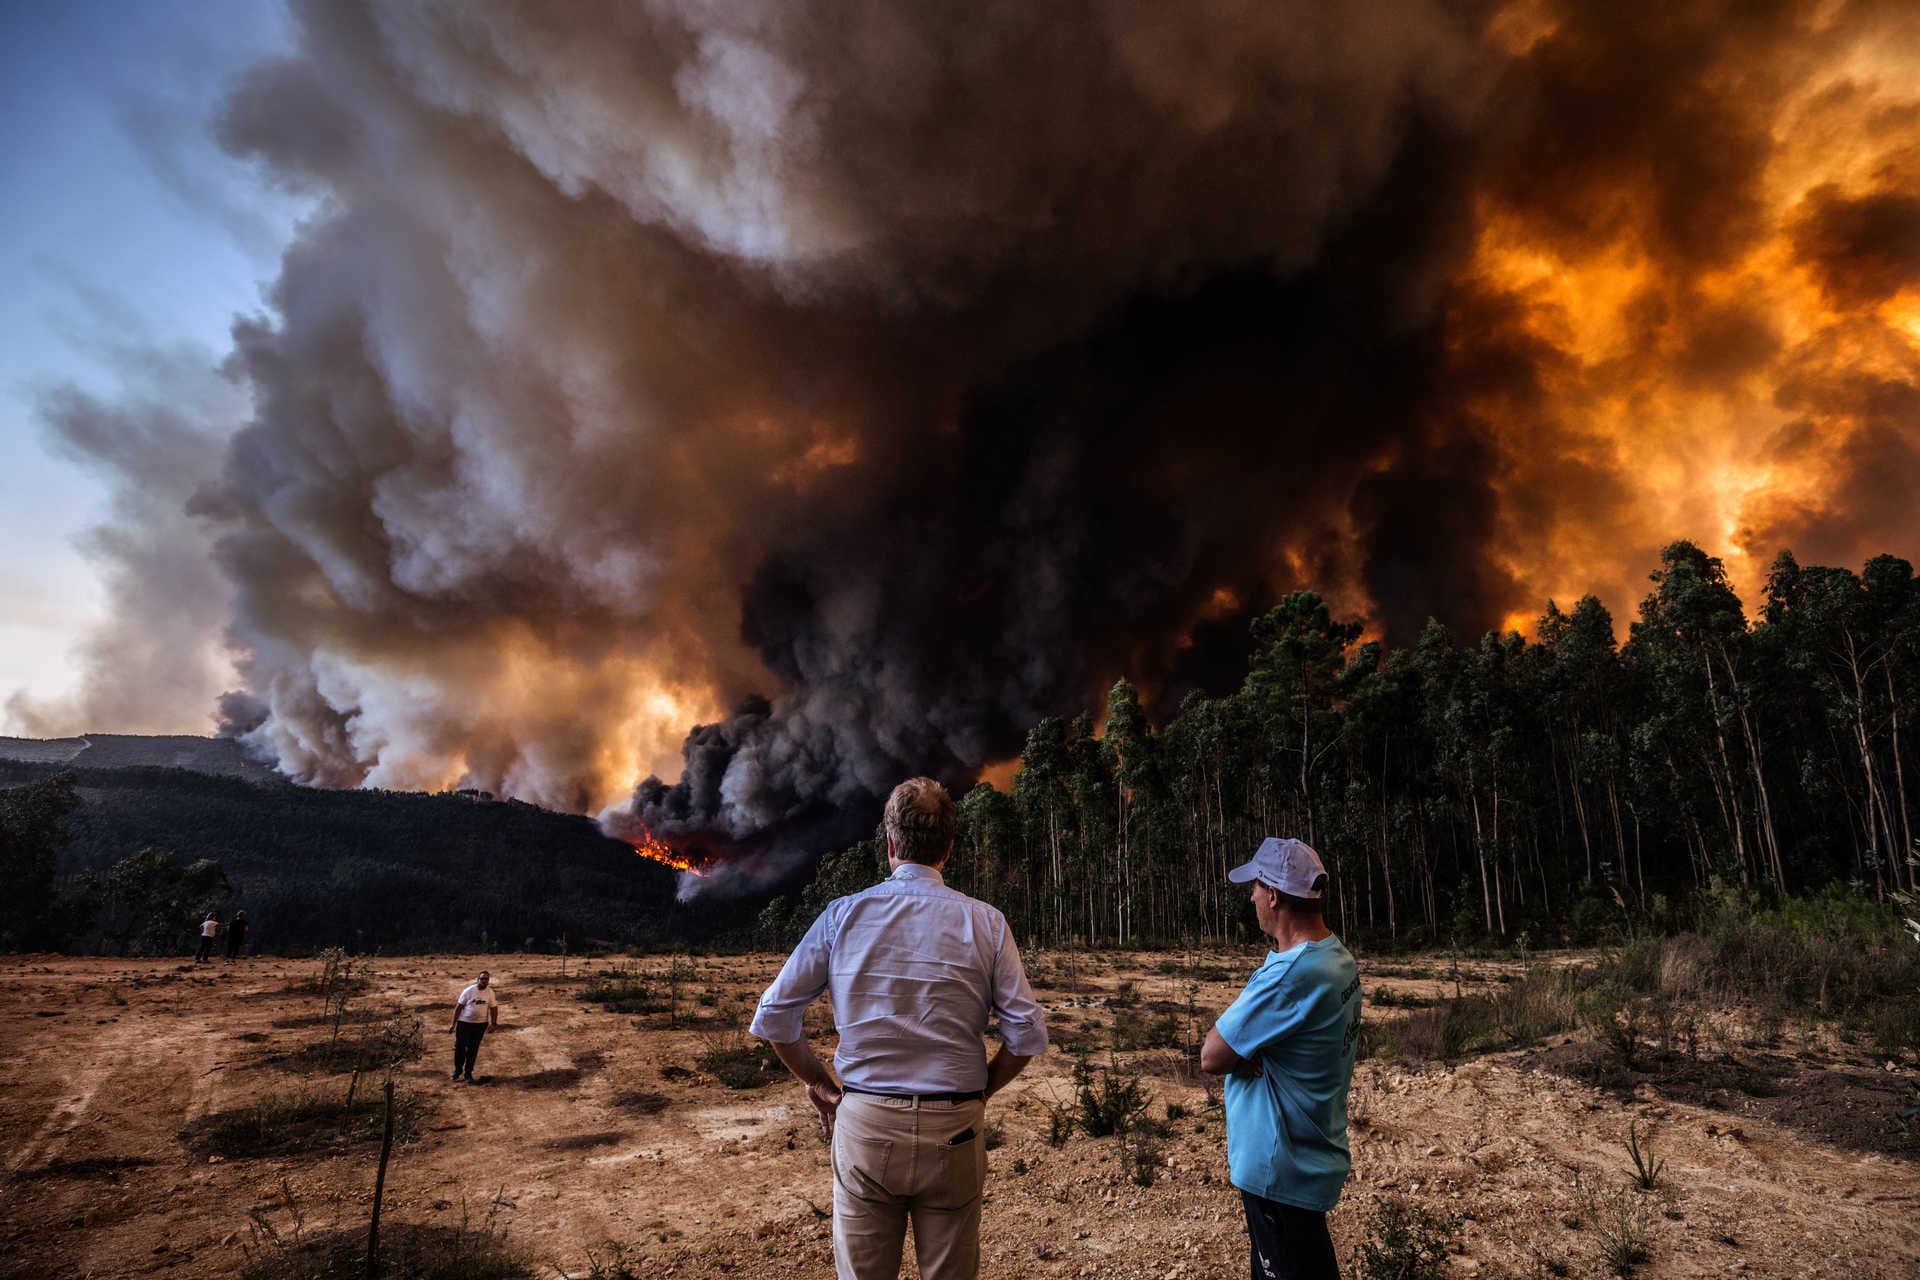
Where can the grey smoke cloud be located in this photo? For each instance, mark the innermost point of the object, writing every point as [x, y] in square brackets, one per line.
[860, 382]
[158, 655]
[630, 335]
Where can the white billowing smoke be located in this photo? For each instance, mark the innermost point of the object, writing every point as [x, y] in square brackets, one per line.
[155, 443]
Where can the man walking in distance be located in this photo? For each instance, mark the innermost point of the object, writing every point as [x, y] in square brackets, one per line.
[1286, 1046]
[475, 1011]
[912, 969]
[209, 930]
[236, 936]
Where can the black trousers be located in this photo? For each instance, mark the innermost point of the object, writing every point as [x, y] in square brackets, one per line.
[206, 948]
[466, 1046]
[1288, 1243]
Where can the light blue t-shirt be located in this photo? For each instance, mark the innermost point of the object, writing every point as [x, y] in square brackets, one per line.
[1287, 1128]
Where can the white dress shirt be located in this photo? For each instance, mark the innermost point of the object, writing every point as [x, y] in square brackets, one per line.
[913, 968]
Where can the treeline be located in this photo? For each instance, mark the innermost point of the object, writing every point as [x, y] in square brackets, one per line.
[129, 859]
[1556, 786]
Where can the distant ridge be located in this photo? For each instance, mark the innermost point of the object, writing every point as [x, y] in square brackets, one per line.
[220, 756]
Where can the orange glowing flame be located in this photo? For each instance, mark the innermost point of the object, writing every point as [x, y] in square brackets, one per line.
[647, 846]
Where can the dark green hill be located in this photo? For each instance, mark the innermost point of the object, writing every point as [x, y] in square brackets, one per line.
[393, 871]
[126, 750]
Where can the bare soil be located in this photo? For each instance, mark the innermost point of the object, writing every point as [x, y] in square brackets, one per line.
[1783, 1155]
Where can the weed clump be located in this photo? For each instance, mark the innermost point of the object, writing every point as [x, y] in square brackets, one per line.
[1404, 1242]
[621, 989]
[301, 1121]
[408, 1251]
[1110, 1100]
[1647, 1167]
[1619, 1220]
[742, 1066]
[1522, 1013]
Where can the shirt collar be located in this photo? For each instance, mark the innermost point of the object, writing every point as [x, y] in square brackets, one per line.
[918, 871]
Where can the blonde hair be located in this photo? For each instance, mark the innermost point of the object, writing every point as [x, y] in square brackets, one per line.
[920, 821]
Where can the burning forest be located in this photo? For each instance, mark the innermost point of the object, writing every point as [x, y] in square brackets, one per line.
[864, 385]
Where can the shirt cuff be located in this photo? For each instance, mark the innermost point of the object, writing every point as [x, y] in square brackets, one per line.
[1024, 1039]
[781, 1026]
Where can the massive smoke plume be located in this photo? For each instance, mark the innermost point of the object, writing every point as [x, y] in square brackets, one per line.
[909, 371]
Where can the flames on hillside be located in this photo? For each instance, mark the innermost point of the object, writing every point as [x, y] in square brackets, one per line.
[649, 846]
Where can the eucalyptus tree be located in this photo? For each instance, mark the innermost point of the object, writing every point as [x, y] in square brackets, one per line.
[1579, 686]
[1291, 690]
[1131, 752]
[1840, 640]
[1693, 645]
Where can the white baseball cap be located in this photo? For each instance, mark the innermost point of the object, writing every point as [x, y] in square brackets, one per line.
[1291, 866]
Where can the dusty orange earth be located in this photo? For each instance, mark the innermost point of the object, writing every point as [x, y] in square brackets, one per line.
[1783, 1155]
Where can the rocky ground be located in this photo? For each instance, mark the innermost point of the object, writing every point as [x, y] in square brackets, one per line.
[595, 1133]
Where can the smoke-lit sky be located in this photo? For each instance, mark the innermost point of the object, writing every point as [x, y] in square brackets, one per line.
[862, 381]
[122, 227]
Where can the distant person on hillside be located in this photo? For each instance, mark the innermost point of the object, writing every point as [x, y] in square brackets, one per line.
[475, 1011]
[912, 969]
[1286, 1046]
[209, 930]
[236, 935]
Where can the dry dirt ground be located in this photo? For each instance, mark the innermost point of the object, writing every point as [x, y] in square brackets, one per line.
[590, 1126]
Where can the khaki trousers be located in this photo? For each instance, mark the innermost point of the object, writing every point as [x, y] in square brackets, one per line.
[895, 1160]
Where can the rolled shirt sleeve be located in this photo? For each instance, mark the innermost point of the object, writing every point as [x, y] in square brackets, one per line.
[802, 979]
[1023, 1023]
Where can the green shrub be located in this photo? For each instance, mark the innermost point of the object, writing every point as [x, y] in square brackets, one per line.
[1140, 1154]
[1514, 1015]
[1647, 1168]
[305, 1120]
[408, 1251]
[1111, 1100]
[1060, 1122]
[1404, 1242]
[742, 1065]
[1619, 1220]
[622, 990]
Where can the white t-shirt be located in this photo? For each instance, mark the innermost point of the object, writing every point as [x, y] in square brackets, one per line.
[209, 928]
[474, 1004]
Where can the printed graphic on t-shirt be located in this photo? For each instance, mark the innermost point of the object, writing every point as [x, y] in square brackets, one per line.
[474, 1003]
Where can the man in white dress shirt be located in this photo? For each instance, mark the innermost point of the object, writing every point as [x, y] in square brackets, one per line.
[912, 969]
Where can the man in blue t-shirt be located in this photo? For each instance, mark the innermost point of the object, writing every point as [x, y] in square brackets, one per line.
[1286, 1047]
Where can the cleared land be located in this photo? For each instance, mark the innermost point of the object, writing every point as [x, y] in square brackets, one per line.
[158, 1118]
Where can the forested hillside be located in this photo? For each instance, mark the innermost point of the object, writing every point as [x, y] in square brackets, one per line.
[1554, 786]
[376, 869]
[1557, 787]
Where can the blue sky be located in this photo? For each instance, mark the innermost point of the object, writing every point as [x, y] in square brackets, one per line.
[121, 223]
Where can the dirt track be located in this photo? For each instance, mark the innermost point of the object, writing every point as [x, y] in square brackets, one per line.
[1787, 1163]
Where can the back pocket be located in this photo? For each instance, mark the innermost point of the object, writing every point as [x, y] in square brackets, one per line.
[960, 1173]
[860, 1163]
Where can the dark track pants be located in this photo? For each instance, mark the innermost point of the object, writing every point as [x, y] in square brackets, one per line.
[206, 949]
[466, 1046]
[1288, 1243]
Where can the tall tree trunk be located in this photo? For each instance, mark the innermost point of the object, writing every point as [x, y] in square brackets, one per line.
[1900, 785]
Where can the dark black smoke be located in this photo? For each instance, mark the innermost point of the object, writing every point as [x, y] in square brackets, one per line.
[1088, 502]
